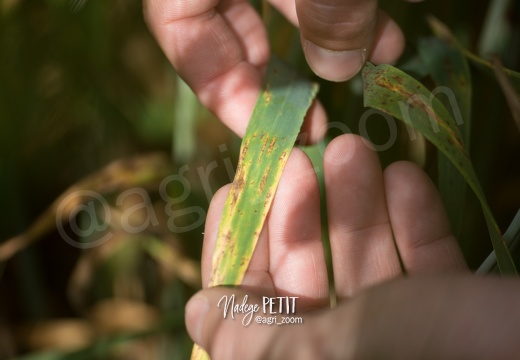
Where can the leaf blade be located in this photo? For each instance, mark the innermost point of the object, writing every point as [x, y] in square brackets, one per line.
[270, 135]
[392, 91]
[266, 146]
[449, 68]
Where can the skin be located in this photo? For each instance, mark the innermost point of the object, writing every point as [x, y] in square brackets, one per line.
[438, 310]
[220, 47]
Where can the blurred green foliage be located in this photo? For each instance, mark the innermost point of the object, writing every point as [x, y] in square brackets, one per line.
[83, 83]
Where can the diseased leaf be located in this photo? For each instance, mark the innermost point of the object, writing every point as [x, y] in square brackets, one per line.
[449, 69]
[392, 91]
[269, 138]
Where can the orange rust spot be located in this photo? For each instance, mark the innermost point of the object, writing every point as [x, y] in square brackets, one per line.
[243, 153]
[238, 186]
[384, 83]
[263, 181]
[267, 96]
[264, 145]
[267, 199]
[283, 156]
[244, 261]
[271, 145]
[230, 242]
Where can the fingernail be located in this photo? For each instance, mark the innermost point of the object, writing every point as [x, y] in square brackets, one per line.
[333, 65]
[195, 313]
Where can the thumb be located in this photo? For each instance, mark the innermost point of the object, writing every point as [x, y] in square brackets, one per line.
[224, 322]
[336, 35]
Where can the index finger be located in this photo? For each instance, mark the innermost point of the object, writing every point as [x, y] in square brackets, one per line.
[218, 48]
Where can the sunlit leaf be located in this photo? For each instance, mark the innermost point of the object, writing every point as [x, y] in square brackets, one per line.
[269, 138]
[186, 112]
[393, 92]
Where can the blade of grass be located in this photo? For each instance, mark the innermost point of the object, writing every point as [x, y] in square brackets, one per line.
[496, 29]
[442, 31]
[186, 111]
[512, 98]
[511, 237]
[448, 67]
[269, 138]
[116, 176]
[392, 91]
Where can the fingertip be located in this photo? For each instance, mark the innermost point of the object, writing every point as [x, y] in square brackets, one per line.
[389, 40]
[407, 182]
[195, 313]
[343, 150]
[336, 35]
[314, 126]
[419, 221]
[333, 65]
[223, 321]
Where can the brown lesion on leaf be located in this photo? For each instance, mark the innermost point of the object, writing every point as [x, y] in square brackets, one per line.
[382, 81]
[264, 145]
[243, 153]
[417, 101]
[454, 140]
[244, 261]
[398, 79]
[263, 181]
[283, 157]
[238, 186]
[271, 145]
[225, 250]
[267, 200]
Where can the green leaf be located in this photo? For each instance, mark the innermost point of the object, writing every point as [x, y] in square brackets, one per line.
[449, 69]
[442, 32]
[392, 91]
[512, 239]
[512, 98]
[269, 138]
[186, 112]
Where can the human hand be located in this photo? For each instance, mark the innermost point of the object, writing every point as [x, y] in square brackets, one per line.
[220, 48]
[367, 210]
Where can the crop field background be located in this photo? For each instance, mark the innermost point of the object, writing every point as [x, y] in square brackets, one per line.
[108, 164]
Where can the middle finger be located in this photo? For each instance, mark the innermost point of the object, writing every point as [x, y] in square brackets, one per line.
[363, 250]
